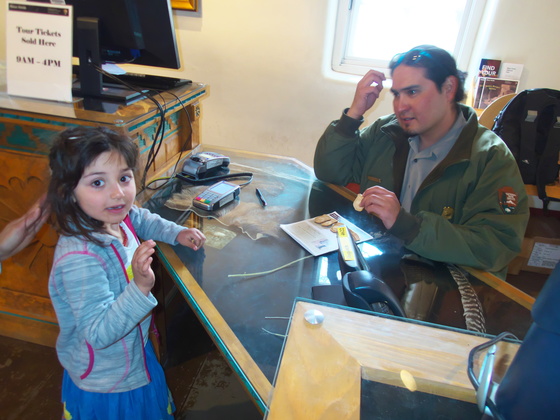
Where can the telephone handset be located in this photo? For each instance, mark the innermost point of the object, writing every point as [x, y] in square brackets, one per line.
[362, 289]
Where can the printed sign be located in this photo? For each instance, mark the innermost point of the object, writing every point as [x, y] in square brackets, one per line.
[39, 50]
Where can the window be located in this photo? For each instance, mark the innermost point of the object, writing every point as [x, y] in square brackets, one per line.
[370, 32]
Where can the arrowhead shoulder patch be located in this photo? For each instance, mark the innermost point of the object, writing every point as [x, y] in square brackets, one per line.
[508, 199]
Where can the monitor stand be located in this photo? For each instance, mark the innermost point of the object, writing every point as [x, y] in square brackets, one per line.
[110, 93]
[90, 83]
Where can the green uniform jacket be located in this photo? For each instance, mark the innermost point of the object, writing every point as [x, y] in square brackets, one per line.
[472, 209]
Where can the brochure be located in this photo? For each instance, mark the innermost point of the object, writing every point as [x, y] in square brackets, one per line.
[318, 239]
[489, 89]
[489, 67]
[511, 71]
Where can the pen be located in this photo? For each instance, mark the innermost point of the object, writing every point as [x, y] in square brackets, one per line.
[261, 198]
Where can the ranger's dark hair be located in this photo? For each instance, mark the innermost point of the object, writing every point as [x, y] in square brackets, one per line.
[437, 62]
[71, 152]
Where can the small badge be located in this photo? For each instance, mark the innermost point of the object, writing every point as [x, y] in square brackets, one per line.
[507, 198]
[447, 212]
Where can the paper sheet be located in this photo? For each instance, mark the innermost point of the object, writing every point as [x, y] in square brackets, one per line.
[318, 239]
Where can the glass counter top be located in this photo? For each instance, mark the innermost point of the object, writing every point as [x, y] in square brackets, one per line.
[251, 271]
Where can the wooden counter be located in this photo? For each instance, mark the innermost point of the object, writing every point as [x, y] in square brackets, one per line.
[323, 365]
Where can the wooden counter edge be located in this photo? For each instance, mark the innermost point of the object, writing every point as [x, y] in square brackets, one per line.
[502, 286]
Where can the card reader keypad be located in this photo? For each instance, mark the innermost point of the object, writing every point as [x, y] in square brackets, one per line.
[207, 197]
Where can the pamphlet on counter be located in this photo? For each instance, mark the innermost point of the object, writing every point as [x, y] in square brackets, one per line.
[319, 238]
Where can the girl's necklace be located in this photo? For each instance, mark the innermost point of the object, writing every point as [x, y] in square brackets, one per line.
[124, 236]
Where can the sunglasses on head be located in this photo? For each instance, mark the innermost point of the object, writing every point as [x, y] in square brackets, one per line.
[411, 57]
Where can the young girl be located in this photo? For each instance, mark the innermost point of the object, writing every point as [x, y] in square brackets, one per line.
[101, 278]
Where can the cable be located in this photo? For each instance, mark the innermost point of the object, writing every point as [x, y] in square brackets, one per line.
[182, 149]
[161, 178]
[216, 178]
[269, 271]
[156, 145]
[189, 138]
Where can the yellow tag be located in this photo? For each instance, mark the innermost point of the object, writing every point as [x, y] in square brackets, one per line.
[345, 244]
[129, 273]
[66, 413]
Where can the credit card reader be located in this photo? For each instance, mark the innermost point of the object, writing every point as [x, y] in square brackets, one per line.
[204, 164]
[217, 196]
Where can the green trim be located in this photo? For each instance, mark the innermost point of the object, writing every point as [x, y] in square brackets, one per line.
[31, 119]
[29, 318]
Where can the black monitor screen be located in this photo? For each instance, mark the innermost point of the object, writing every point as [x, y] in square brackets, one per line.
[160, 46]
[130, 31]
[120, 31]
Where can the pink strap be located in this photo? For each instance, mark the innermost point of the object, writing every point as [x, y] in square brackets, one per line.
[128, 223]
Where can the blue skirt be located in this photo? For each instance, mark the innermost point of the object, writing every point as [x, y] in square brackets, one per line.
[150, 402]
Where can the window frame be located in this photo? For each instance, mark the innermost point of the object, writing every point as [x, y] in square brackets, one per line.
[341, 63]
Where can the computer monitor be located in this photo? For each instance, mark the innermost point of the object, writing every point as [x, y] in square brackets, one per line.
[121, 31]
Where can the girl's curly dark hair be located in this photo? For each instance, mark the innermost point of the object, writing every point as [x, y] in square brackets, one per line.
[71, 152]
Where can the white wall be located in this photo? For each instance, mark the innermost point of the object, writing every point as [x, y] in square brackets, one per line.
[263, 61]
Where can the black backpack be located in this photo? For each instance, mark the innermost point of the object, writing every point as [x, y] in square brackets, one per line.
[529, 126]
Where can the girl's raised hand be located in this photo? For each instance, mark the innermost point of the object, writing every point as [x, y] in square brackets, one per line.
[144, 276]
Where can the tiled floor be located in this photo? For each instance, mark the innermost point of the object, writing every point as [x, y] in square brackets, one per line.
[204, 387]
